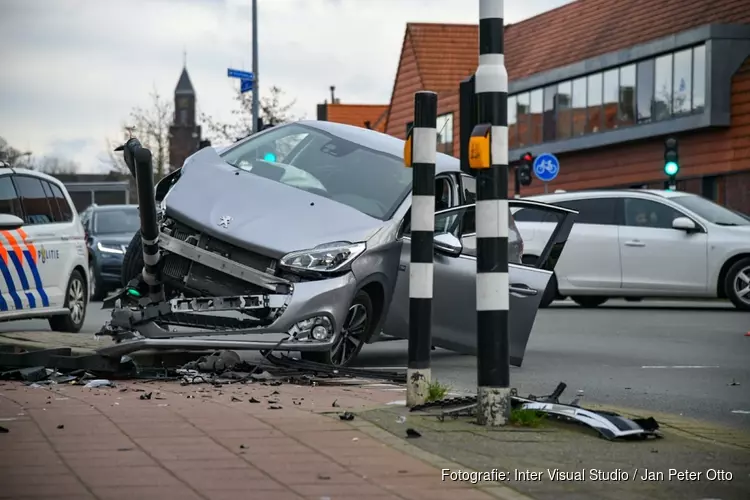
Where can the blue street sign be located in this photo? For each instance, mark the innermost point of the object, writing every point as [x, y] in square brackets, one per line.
[246, 86]
[546, 167]
[244, 75]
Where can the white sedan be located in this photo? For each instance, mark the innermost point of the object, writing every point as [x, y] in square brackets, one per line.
[643, 243]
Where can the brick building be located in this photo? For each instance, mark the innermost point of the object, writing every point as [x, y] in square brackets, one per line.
[601, 83]
[184, 134]
[370, 116]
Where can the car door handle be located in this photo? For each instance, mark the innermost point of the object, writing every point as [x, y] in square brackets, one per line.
[635, 243]
[523, 290]
[402, 267]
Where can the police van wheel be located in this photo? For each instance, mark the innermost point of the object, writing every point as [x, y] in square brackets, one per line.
[76, 300]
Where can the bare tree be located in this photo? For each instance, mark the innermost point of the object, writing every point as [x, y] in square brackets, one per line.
[53, 166]
[14, 157]
[272, 108]
[150, 126]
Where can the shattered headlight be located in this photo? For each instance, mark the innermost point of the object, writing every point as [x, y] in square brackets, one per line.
[327, 258]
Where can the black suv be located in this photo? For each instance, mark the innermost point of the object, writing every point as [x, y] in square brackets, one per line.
[109, 229]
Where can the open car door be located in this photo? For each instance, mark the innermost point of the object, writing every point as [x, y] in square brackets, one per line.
[454, 295]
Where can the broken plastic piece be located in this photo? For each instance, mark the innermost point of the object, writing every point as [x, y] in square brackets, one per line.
[99, 383]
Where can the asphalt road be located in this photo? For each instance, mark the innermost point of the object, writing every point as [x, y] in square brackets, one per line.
[674, 357]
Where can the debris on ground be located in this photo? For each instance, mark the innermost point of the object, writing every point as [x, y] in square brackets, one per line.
[99, 383]
[609, 425]
[412, 433]
[3, 430]
[347, 416]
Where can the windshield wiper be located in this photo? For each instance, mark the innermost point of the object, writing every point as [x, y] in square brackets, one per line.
[726, 224]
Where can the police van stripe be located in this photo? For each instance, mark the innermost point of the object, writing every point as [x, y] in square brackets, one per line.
[11, 285]
[18, 263]
[37, 279]
[3, 304]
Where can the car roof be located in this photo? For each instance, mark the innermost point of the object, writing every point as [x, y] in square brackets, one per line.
[598, 193]
[33, 173]
[372, 139]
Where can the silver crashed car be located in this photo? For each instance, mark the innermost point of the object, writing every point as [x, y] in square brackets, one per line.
[309, 221]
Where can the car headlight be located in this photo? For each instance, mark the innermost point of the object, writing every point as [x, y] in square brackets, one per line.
[102, 247]
[327, 258]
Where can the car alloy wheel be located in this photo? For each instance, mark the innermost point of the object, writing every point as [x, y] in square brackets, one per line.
[741, 285]
[76, 300]
[352, 335]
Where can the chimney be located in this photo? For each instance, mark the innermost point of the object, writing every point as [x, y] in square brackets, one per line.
[333, 94]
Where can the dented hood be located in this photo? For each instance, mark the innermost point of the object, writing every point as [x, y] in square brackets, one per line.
[266, 216]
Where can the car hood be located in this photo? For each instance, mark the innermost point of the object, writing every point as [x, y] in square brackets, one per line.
[115, 238]
[266, 216]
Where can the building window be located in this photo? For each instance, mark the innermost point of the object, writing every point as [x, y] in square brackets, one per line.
[626, 111]
[654, 89]
[522, 116]
[564, 119]
[645, 90]
[699, 78]
[548, 122]
[662, 107]
[512, 122]
[536, 110]
[681, 88]
[183, 117]
[579, 106]
[709, 187]
[594, 122]
[611, 98]
[445, 133]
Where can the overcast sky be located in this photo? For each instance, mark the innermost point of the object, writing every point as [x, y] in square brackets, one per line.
[73, 69]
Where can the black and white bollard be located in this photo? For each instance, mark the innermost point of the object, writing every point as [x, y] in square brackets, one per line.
[142, 166]
[489, 154]
[420, 152]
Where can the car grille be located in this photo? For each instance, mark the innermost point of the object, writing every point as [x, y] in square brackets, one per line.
[178, 267]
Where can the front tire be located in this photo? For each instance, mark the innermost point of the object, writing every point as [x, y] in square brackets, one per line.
[738, 284]
[132, 262]
[76, 301]
[589, 301]
[96, 290]
[354, 332]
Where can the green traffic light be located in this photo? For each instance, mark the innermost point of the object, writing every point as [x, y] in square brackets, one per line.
[671, 168]
[133, 292]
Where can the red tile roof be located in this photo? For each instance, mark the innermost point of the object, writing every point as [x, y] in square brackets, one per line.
[358, 114]
[447, 53]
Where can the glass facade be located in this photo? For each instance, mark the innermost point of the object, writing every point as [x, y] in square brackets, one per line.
[660, 88]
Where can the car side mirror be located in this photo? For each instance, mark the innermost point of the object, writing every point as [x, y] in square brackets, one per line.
[448, 244]
[683, 224]
[9, 222]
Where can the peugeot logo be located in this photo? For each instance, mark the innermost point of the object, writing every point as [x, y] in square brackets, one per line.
[224, 221]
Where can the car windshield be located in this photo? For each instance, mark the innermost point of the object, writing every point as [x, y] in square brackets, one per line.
[309, 159]
[711, 211]
[112, 221]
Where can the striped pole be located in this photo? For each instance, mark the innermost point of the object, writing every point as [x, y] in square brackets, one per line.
[493, 343]
[420, 152]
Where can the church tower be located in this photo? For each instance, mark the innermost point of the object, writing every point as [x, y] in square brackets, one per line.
[184, 134]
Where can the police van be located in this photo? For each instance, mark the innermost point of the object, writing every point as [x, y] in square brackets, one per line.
[43, 259]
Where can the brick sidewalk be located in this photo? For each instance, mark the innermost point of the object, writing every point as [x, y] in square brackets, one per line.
[201, 442]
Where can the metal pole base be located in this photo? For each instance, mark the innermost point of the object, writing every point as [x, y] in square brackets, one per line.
[417, 386]
[493, 406]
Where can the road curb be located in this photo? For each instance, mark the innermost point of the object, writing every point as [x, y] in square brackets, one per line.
[497, 490]
[143, 359]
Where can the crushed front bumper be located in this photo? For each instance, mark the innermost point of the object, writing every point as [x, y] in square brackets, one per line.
[202, 322]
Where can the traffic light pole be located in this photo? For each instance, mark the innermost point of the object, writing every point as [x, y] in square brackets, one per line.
[488, 152]
[518, 182]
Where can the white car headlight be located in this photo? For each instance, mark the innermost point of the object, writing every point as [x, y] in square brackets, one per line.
[109, 248]
[327, 258]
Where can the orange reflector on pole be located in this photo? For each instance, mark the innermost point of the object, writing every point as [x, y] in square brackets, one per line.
[479, 147]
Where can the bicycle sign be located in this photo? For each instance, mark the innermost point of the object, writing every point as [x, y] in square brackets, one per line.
[546, 167]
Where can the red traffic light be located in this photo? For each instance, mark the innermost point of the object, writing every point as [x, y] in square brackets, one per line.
[527, 157]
